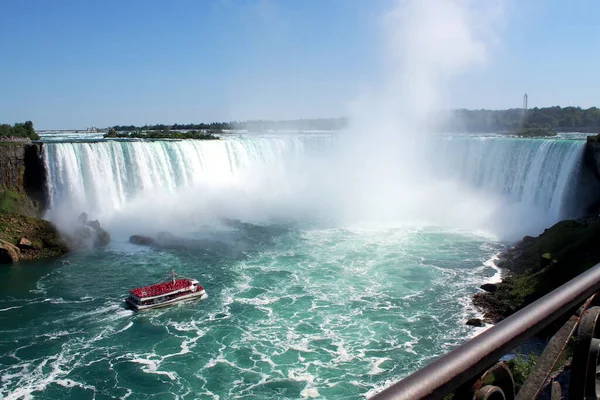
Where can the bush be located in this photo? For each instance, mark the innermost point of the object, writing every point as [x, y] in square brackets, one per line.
[521, 366]
[24, 130]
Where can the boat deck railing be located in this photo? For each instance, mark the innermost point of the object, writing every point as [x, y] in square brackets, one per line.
[473, 370]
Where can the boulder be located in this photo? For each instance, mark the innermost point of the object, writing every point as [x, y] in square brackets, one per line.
[102, 237]
[95, 225]
[142, 240]
[25, 244]
[87, 234]
[83, 232]
[9, 253]
[475, 322]
[83, 218]
[489, 287]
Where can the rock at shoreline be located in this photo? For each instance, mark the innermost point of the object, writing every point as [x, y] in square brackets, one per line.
[539, 265]
[9, 253]
[142, 240]
[475, 322]
[25, 244]
[494, 307]
[26, 238]
[489, 287]
[102, 237]
[167, 240]
[87, 234]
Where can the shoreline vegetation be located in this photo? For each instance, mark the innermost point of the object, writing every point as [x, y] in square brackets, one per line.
[163, 134]
[536, 121]
[19, 132]
[533, 130]
[325, 124]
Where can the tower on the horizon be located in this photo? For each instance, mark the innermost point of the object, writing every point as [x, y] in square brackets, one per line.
[525, 102]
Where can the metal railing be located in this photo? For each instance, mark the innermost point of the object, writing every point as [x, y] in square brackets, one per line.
[472, 370]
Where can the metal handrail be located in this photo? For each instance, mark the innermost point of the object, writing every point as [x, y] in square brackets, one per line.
[472, 358]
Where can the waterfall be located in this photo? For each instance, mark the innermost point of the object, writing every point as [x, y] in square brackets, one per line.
[104, 176]
[541, 174]
[523, 178]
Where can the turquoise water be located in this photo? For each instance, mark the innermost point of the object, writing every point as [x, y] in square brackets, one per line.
[292, 312]
[352, 267]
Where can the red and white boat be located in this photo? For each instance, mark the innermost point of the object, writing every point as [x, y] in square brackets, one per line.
[165, 293]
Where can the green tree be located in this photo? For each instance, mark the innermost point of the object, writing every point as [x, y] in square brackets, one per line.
[111, 133]
[31, 133]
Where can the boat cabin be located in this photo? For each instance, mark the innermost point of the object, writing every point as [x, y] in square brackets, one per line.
[164, 293]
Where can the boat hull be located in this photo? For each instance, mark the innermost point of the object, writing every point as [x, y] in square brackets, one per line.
[181, 299]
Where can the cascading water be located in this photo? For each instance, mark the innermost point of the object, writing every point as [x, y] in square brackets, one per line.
[537, 177]
[530, 178]
[102, 177]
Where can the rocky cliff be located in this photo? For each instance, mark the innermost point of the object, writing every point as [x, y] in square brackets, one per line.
[23, 199]
[22, 178]
[592, 154]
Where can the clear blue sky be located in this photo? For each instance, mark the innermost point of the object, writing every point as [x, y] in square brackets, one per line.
[74, 64]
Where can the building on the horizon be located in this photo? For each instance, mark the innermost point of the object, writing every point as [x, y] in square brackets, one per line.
[525, 102]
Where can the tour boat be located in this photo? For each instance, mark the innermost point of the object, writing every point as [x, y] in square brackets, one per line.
[165, 293]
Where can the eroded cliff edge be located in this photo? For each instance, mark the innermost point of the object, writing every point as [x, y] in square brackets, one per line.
[22, 178]
[23, 198]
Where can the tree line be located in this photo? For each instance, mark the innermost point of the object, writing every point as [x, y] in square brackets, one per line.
[19, 130]
[259, 125]
[552, 118]
[214, 126]
[163, 134]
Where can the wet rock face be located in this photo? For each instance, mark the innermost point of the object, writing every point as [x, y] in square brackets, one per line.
[142, 240]
[22, 171]
[489, 287]
[592, 155]
[87, 234]
[12, 165]
[475, 322]
[102, 238]
[35, 176]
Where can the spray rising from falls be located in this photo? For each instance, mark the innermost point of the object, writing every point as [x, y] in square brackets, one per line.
[278, 176]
